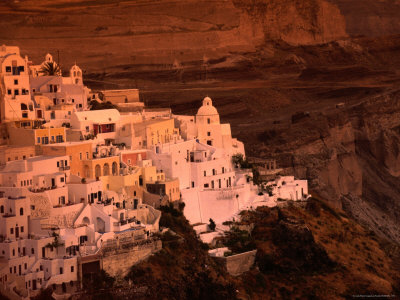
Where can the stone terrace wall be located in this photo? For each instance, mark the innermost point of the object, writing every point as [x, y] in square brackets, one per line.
[118, 261]
[239, 263]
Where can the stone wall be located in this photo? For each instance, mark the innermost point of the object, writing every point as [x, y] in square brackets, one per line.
[239, 263]
[118, 262]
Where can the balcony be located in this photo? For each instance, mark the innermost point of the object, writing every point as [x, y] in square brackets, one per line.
[65, 168]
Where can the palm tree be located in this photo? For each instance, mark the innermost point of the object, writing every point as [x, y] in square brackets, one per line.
[50, 68]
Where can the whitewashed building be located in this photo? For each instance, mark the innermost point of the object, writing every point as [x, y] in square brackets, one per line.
[16, 102]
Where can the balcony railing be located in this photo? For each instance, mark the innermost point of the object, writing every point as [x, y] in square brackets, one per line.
[65, 168]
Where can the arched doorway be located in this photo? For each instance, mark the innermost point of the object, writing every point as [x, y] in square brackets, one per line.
[101, 225]
[114, 168]
[97, 171]
[86, 171]
[106, 169]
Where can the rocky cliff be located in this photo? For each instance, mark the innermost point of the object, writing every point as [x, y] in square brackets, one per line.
[102, 34]
[351, 157]
[297, 22]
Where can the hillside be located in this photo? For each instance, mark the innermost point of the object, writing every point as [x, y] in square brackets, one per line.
[313, 251]
[155, 34]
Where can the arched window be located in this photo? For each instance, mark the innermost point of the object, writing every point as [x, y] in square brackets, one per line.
[114, 168]
[106, 169]
[97, 171]
[24, 106]
[21, 211]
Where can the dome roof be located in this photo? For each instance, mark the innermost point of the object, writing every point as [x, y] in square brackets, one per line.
[207, 109]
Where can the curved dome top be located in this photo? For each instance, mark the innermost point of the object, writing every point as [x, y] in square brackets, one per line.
[207, 109]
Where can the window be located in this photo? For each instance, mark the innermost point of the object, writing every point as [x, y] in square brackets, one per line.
[10, 270]
[205, 173]
[38, 140]
[62, 179]
[21, 211]
[72, 269]
[2, 209]
[52, 138]
[13, 253]
[11, 230]
[80, 155]
[16, 92]
[25, 266]
[33, 251]
[208, 133]
[87, 155]
[61, 271]
[15, 81]
[59, 139]
[24, 115]
[22, 230]
[208, 120]
[206, 185]
[9, 92]
[192, 184]
[8, 68]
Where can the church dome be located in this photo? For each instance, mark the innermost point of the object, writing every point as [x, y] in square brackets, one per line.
[207, 109]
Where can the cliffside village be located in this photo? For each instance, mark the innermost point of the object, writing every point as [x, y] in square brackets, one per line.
[80, 188]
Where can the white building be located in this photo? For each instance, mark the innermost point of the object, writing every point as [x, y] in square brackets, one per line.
[100, 123]
[289, 188]
[207, 129]
[62, 90]
[16, 102]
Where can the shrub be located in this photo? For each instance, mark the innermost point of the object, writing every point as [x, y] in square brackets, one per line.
[212, 225]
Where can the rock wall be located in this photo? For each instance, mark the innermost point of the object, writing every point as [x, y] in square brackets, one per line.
[351, 157]
[240, 263]
[117, 263]
[297, 22]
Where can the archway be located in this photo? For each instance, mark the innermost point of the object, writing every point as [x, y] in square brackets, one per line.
[101, 225]
[106, 169]
[86, 221]
[86, 171]
[114, 168]
[97, 171]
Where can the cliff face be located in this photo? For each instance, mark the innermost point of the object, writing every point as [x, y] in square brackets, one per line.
[297, 22]
[99, 35]
[351, 157]
[370, 18]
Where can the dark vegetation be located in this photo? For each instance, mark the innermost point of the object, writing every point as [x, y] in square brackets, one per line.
[95, 105]
[182, 269]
